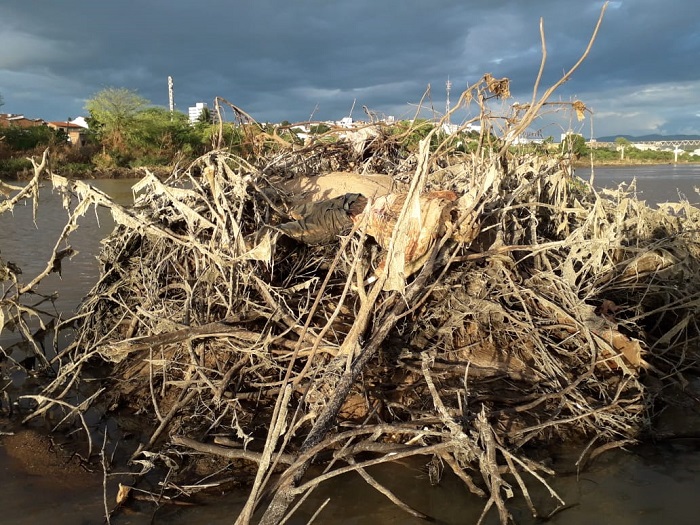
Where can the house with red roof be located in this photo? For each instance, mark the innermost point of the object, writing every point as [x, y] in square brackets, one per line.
[76, 133]
[10, 119]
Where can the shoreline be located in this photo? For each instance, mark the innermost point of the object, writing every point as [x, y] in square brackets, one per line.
[161, 172]
[627, 164]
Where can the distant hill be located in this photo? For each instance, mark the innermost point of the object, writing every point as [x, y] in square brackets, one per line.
[648, 138]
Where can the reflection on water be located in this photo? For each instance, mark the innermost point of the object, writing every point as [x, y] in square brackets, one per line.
[655, 184]
[646, 486]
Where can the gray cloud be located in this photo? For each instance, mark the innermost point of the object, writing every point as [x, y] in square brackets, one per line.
[282, 60]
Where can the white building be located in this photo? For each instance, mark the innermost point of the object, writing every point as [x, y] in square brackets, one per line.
[196, 111]
[80, 121]
[451, 129]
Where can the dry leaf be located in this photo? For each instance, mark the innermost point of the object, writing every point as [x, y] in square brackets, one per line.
[123, 493]
[498, 86]
[580, 109]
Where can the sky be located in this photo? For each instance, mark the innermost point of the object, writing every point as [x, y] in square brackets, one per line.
[301, 60]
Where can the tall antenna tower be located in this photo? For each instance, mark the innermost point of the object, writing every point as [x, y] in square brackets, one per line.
[171, 97]
[448, 85]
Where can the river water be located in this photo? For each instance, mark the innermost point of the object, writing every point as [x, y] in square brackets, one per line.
[655, 184]
[645, 485]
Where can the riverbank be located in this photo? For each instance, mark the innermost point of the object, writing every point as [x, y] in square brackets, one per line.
[82, 168]
[586, 163]
[160, 172]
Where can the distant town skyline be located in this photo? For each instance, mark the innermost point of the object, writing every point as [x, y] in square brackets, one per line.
[311, 60]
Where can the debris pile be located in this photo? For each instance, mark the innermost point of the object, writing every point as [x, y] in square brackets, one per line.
[257, 312]
[504, 309]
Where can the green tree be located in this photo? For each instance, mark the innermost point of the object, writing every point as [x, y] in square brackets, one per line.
[575, 145]
[621, 143]
[112, 112]
[156, 135]
[319, 129]
[155, 129]
[24, 139]
[409, 133]
[205, 116]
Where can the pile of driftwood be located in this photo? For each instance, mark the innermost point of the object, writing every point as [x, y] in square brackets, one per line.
[464, 310]
[257, 314]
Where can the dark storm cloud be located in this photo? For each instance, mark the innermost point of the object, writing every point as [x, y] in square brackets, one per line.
[281, 60]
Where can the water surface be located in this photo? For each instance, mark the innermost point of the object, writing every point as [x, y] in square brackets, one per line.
[654, 184]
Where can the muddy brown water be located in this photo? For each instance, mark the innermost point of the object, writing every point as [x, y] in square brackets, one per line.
[645, 485]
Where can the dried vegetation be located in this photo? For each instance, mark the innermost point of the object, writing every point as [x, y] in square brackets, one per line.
[526, 310]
